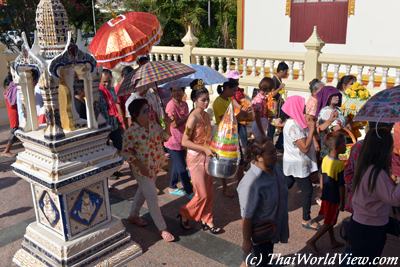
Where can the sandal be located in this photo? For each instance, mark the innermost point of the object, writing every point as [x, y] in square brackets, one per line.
[137, 221]
[184, 224]
[213, 229]
[167, 236]
[311, 226]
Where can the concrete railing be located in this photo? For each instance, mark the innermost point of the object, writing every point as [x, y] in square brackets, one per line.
[374, 72]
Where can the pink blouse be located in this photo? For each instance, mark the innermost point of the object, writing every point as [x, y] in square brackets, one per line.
[178, 111]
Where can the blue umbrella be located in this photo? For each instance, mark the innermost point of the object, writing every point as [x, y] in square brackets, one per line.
[207, 74]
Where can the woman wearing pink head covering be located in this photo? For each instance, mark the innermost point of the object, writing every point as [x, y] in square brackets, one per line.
[299, 159]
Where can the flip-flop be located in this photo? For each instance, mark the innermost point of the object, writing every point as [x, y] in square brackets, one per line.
[167, 236]
[310, 226]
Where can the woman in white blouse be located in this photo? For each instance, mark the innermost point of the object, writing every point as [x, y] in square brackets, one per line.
[299, 158]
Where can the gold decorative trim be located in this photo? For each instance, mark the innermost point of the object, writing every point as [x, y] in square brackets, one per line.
[288, 6]
[352, 7]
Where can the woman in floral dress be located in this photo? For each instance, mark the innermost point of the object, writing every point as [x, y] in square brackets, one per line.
[143, 150]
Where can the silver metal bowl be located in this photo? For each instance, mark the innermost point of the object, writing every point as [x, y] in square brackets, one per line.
[222, 168]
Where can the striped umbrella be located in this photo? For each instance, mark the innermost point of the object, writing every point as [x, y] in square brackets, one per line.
[153, 73]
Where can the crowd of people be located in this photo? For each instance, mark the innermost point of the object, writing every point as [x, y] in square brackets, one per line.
[308, 134]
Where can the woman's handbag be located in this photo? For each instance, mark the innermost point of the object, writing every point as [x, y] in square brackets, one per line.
[263, 232]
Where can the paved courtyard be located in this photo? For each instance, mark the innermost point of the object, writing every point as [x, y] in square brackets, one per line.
[193, 248]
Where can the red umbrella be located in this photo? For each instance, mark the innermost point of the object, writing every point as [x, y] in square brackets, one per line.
[124, 38]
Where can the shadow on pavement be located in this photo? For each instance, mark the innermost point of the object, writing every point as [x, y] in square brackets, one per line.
[8, 181]
[15, 212]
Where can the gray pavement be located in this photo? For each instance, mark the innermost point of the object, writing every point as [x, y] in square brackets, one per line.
[193, 248]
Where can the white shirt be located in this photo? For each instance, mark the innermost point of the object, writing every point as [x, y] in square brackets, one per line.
[295, 162]
[325, 114]
[151, 97]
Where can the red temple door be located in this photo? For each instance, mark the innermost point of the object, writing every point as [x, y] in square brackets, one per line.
[330, 16]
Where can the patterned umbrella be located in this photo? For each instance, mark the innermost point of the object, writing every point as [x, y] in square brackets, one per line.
[207, 74]
[382, 107]
[125, 37]
[153, 73]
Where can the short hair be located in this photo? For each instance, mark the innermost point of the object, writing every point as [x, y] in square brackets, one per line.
[126, 70]
[314, 84]
[107, 71]
[334, 139]
[142, 59]
[135, 106]
[282, 66]
[266, 84]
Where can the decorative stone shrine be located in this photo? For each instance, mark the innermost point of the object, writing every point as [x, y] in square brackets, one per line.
[66, 160]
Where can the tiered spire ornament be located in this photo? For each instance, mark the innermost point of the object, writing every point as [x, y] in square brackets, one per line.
[52, 27]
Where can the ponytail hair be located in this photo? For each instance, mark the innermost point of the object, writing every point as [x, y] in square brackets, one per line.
[231, 83]
[220, 89]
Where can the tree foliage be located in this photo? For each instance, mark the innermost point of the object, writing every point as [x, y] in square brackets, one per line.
[174, 16]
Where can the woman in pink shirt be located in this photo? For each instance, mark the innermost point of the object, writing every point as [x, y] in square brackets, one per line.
[178, 111]
[374, 195]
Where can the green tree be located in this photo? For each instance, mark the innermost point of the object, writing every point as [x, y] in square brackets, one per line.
[18, 15]
[176, 15]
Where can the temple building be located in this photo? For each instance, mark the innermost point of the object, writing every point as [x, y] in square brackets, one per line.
[350, 27]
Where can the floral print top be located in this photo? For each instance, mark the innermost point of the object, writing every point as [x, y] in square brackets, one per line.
[145, 145]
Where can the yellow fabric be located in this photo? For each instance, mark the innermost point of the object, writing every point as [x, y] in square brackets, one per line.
[332, 167]
[65, 104]
[220, 106]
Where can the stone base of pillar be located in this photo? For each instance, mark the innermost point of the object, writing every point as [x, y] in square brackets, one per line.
[109, 245]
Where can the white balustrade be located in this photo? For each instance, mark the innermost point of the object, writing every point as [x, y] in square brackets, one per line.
[220, 65]
[291, 72]
[384, 78]
[271, 68]
[151, 57]
[156, 57]
[162, 56]
[228, 64]
[236, 64]
[301, 71]
[397, 81]
[204, 60]
[360, 73]
[262, 69]
[212, 62]
[325, 73]
[348, 69]
[335, 74]
[169, 57]
[244, 74]
[254, 67]
[197, 60]
[371, 78]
